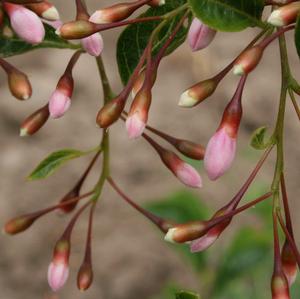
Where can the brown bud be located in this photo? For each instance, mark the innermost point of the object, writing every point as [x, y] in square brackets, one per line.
[19, 224]
[19, 85]
[45, 10]
[85, 276]
[289, 263]
[77, 29]
[34, 122]
[280, 287]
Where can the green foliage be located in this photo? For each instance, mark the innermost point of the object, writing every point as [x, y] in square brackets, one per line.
[187, 295]
[53, 162]
[228, 15]
[135, 37]
[15, 46]
[258, 139]
[297, 35]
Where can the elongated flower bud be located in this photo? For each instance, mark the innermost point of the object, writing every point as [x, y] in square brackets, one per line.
[186, 232]
[280, 287]
[34, 122]
[221, 148]
[45, 10]
[200, 35]
[93, 44]
[25, 23]
[19, 224]
[183, 171]
[58, 270]
[116, 12]
[198, 93]
[289, 263]
[138, 114]
[285, 15]
[76, 29]
[248, 60]
[156, 3]
[85, 276]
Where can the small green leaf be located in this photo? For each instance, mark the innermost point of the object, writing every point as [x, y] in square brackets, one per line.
[52, 162]
[258, 139]
[297, 35]
[135, 37]
[15, 46]
[187, 295]
[228, 15]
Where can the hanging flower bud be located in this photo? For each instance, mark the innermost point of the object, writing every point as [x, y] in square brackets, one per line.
[85, 276]
[284, 15]
[280, 287]
[221, 148]
[93, 44]
[60, 100]
[248, 60]
[186, 232]
[156, 3]
[117, 12]
[200, 35]
[138, 83]
[25, 23]
[289, 263]
[18, 82]
[34, 122]
[45, 10]
[58, 270]
[183, 171]
[198, 93]
[19, 224]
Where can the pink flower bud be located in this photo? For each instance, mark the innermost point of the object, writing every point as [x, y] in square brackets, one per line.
[284, 15]
[135, 125]
[289, 263]
[59, 103]
[25, 23]
[58, 273]
[58, 270]
[93, 44]
[219, 154]
[200, 35]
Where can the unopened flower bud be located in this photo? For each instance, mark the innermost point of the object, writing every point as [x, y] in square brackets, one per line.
[183, 171]
[45, 10]
[58, 270]
[200, 35]
[115, 12]
[221, 148]
[93, 44]
[156, 3]
[76, 29]
[198, 93]
[110, 112]
[186, 232]
[85, 276]
[138, 83]
[289, 263]
[34, 122]
[59, 103]
[25, 23]
[248, 60]
[19, 224]
[138, 114]
[19, 85]
[280, 287]
[285, 15]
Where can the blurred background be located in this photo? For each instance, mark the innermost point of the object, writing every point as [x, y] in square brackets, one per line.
[131, 260]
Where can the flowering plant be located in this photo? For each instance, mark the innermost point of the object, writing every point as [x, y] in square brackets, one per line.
[27, 25]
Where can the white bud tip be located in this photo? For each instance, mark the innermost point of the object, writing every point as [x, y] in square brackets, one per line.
[275, 19]
[186, 100]
[98, 18]
[51, 14]
[161, 3]
[169, 235]
[57, 31]
[25, 97]
[238, 70]
[23, 132]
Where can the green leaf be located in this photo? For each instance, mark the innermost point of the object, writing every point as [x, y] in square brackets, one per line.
[134, 38]
[249, 250]
[187, 295]
[181, 207]
[258, 139]
[228, 15]
[52, 162]
[15, 46]
[297, 35]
